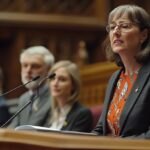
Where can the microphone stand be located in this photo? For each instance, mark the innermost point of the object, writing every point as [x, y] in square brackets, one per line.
[31, 100]
[20, 110]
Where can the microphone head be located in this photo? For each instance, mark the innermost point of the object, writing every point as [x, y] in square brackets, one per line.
[52, 75]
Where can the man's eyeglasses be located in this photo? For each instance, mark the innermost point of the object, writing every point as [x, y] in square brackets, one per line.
[123, 27]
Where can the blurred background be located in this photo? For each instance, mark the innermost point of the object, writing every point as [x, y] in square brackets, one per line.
[71, 29]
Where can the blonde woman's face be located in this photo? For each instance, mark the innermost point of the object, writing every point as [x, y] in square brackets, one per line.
[61, 86]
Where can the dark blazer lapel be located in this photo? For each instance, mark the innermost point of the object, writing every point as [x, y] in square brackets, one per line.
[111, 88]
[109, 94]
[66, 123]
[143, 75]
[70, 117]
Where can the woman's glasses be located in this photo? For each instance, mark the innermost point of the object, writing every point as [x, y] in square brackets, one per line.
[123, 27]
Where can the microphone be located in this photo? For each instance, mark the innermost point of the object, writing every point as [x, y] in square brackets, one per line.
[35, 78]
[49, 76]
[20, 110]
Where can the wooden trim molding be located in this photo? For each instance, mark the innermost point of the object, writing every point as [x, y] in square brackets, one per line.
[49, 20]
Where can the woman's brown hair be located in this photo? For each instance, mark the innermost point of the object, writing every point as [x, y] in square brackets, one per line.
[138, 16]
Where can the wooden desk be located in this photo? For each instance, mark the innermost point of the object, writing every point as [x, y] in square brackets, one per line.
[27, 140]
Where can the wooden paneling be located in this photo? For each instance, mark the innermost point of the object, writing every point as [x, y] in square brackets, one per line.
[143, 3]
[62, 41]
[59, 25]
[74, 7]
[94, 82]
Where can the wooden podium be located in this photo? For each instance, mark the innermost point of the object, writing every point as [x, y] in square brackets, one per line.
[30, 140]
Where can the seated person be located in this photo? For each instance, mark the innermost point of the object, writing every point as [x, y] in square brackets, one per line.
[126, 111]
[4, 111]
[66, 111]
[35, 61]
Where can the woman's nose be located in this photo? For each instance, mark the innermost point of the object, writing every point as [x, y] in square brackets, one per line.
[55, 82]
[117, 32]
[117, 29]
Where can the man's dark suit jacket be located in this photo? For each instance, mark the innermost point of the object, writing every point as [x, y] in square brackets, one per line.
[36, 117]
[78, 119]
[135, 118]
[4, 111]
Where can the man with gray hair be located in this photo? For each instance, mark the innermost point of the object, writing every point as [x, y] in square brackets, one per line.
[35, 61]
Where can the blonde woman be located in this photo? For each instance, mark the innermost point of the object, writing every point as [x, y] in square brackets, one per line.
[66, 111]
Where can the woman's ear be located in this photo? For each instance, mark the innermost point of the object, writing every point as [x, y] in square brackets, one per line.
[144, 35]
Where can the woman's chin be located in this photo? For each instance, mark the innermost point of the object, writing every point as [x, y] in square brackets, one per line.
[55, 95]
[117, 50]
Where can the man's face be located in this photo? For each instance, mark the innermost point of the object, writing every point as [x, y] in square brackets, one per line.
[32, 66]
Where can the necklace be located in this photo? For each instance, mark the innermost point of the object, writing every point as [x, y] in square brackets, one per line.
[133, 75]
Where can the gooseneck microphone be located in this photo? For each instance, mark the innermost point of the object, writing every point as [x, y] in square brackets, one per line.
[34, 79]
[50, 76]
[18, 112]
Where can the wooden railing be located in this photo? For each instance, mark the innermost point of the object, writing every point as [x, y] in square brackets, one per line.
[94, 82]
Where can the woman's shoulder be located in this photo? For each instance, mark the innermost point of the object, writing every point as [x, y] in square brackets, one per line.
[80, 107]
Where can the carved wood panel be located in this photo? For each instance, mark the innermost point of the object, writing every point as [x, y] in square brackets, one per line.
[73, 7]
